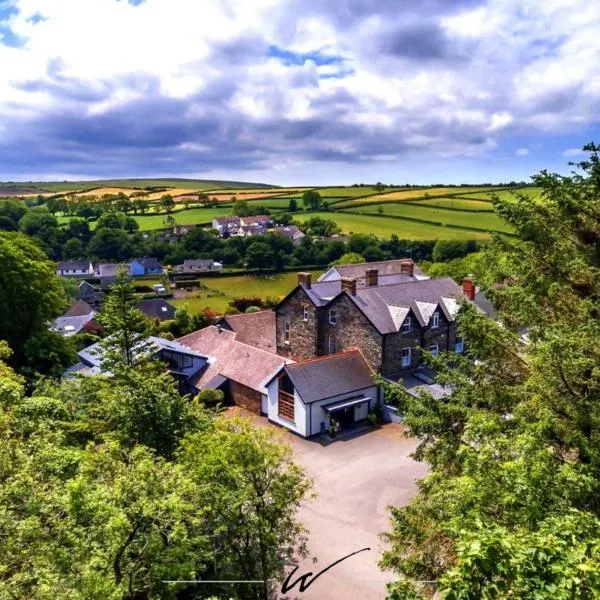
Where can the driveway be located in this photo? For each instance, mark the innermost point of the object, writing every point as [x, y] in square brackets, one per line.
[355, 479]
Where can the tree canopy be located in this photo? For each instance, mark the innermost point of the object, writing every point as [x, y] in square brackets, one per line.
[510, 507]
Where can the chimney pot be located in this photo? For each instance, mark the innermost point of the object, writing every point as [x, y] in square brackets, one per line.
[349, 284]
[305, 279]
[372, 277]
[469, 288]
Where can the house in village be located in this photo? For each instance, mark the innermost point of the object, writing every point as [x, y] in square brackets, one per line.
[241, 371]
[290, 231]
[391, 323]
[182, 363]
[75, 319]
[157, 309]
[302, 397]
[90, 294]
[74, 268]
[145, 266]
[226, 225]
[306, 396]
[199, 265]
[255, 329]
[376, 273]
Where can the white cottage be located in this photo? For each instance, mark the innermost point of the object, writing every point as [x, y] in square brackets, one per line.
[305, 396]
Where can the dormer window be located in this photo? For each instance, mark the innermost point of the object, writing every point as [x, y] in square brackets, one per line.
[435, 320]
[406, 325]
[332, 317]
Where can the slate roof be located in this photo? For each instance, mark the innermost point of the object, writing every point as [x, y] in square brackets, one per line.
[194, 264]
[226, 220]
[385, 268]
[157, 308]
[79, 309]
[386, 306]
[231, 359]
[150, 263]
[72, 265]
[330, 376]
[255, 329]
[68, 326]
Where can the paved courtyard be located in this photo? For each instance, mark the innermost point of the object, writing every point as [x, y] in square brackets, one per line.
[356, 479]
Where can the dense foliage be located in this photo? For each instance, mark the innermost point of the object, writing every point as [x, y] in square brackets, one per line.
[511, 506]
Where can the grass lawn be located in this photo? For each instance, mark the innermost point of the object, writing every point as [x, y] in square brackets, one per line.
[446, 217]
[219, 291]
[192, 216]
[384, 228]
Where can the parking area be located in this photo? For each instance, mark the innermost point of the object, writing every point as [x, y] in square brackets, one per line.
[356, 479]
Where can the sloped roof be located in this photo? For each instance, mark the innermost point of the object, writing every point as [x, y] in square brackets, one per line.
[381, 304]
[157, 308]
[232, 359]
[79, 309]
[384, 268]
[150, 263]
[330, 376]
[255, 329]
[72, 265]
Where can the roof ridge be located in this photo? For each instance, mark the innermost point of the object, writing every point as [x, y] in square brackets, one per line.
[246, 314]
[352, 350]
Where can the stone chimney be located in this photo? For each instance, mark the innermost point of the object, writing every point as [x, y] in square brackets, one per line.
[349, 284]
[469, 288]
[305, 279]
[407, 267]
[372, 277]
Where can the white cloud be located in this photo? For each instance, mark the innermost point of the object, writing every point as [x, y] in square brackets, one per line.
[570, 152]
[485, 71]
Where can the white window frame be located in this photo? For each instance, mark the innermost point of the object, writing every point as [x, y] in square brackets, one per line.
[435, 320]
[406, 360]
[459, 345]
[305, 313]
[331, 345]
[286, 332]
[406, 326]
[332, 316]
[434, 349]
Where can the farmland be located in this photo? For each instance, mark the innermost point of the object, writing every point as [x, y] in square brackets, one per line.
[384, 227]
[458, 218]
[217, 292]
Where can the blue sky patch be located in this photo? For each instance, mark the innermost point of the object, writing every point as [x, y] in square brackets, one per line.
[287, 57]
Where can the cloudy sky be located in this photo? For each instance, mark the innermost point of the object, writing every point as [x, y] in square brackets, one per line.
[292, 92]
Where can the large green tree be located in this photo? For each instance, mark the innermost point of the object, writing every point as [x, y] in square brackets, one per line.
[511, 507]
[251, 490]
[31, 297]
[126, 327]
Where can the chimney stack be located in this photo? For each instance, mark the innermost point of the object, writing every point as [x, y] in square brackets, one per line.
[469, 288]
[372, 277]
[305, 279]
[349, 284]
[407, 267]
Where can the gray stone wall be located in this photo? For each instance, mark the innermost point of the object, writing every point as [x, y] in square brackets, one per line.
[303, 334]
[395, 342]
[352, 329]
[439, 335]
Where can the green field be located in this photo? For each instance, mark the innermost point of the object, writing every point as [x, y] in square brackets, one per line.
[456, 203]
[192, 216]
[219, 291]
[487, 221]
[383, 227]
